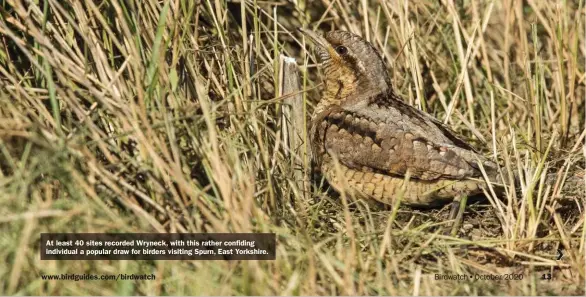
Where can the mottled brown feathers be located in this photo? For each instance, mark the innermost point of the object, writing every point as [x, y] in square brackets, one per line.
[365, 139]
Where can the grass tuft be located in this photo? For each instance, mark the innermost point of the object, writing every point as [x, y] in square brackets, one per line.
[167, 116]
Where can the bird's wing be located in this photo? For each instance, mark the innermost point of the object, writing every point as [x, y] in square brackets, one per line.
[394, 139]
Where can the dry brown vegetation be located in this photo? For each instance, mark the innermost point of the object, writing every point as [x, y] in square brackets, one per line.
[165, 116]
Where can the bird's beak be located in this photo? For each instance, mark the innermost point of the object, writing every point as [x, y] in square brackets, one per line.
[314, 37]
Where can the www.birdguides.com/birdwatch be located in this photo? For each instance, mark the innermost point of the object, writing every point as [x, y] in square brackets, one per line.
[158, 246]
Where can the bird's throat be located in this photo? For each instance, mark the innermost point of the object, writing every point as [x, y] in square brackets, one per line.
[343, 89]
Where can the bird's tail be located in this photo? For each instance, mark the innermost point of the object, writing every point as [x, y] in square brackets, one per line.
[565, 187]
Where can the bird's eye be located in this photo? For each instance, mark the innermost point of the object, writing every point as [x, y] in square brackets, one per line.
[341, 50]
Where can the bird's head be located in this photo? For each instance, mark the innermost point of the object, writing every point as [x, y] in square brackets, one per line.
[351, 65]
